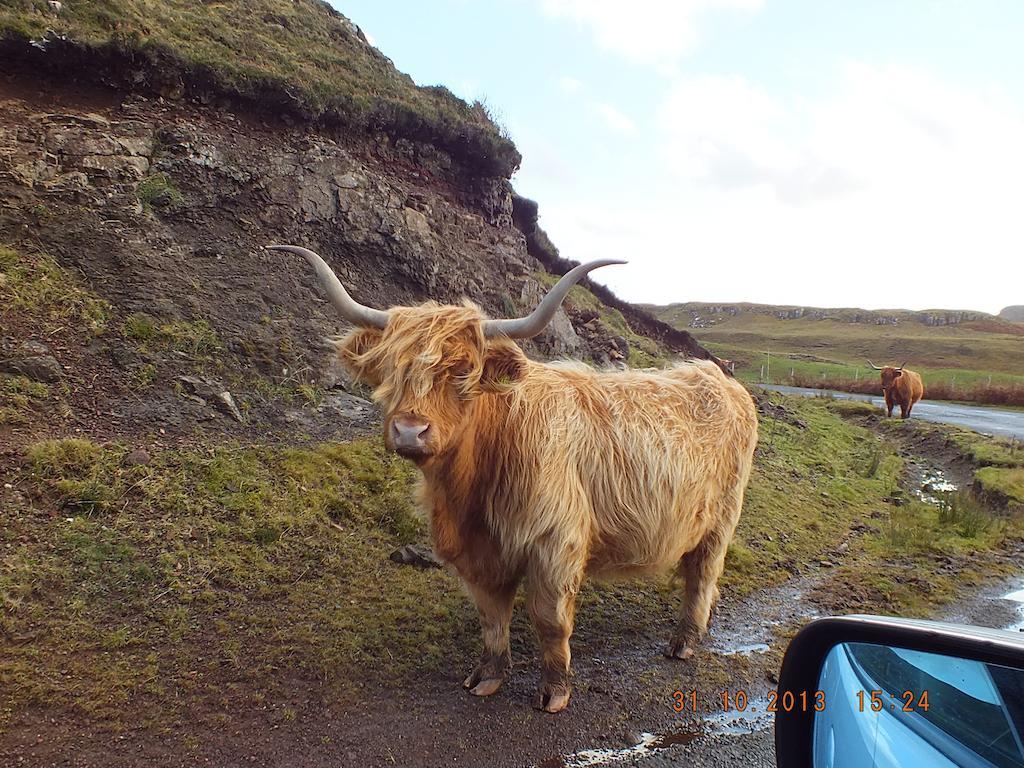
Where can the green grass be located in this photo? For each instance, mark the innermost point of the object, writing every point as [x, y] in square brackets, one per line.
[143, 581]
[298, 56]
[35, 285]
[995, 452]
[810, 486]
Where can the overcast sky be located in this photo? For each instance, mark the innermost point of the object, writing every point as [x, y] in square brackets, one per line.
[820, 152]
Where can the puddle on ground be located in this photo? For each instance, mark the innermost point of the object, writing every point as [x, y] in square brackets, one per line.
[1016, 596]
[747, 628]
[649, 744]
[743, 649]
[931, 483]
[754, 718]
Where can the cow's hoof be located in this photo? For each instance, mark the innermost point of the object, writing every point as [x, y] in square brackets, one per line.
[552, 697]
[680, 649]
[486, 687]
[487, 677]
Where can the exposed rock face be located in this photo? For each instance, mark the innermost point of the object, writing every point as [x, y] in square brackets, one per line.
[164, 208]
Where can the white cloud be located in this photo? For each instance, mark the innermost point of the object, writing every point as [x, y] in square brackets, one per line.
[896, 189]
[569, 84]
[615, 119]
[651, 31]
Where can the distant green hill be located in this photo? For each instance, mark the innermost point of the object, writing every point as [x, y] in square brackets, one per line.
[950, 347]
[699, 314]
[297, 56]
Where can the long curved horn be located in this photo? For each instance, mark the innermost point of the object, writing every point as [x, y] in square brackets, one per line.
[877, 368]
[349, 308]
[529, 326]
[901, 367]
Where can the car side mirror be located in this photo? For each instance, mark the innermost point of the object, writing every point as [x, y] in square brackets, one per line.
[890, 693]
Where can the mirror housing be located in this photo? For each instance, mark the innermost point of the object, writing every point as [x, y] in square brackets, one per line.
[805, 658]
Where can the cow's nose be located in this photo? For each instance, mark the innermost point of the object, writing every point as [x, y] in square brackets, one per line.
[409, 434]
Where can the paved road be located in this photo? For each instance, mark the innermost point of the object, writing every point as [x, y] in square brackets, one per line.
[993, 421]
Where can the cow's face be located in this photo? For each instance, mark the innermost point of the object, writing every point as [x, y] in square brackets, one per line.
[889, 378]
[428, 367]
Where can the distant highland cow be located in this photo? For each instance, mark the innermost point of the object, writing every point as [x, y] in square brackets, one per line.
[901, 386]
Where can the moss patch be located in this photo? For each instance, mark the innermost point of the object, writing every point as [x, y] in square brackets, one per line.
[158, 190]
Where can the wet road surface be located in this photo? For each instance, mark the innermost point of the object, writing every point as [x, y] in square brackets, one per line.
[992, 421]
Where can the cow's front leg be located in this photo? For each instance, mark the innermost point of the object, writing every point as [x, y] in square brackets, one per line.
[495, 608]
[551, 599]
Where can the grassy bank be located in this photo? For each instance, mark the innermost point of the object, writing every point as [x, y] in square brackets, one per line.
[301, 57]
[214, 577]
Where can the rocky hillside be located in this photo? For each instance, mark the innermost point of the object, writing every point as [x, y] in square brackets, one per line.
[149, 151]
[696, 314]
[1014, 314]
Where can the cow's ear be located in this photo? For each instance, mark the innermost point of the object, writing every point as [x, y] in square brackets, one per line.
[504, 365]
[898, 374]
[356, 351]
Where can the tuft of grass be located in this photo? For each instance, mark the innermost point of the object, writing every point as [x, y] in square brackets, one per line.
[908, 527]
[144, 375]
[312, 395]
[195, 338]
[36, 285]
[139, 327]
[158, 190]
[964, 512]
[66, 458]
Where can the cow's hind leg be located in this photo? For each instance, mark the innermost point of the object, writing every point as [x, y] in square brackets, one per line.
[495, 609]
[551, 599]
[700, 569]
